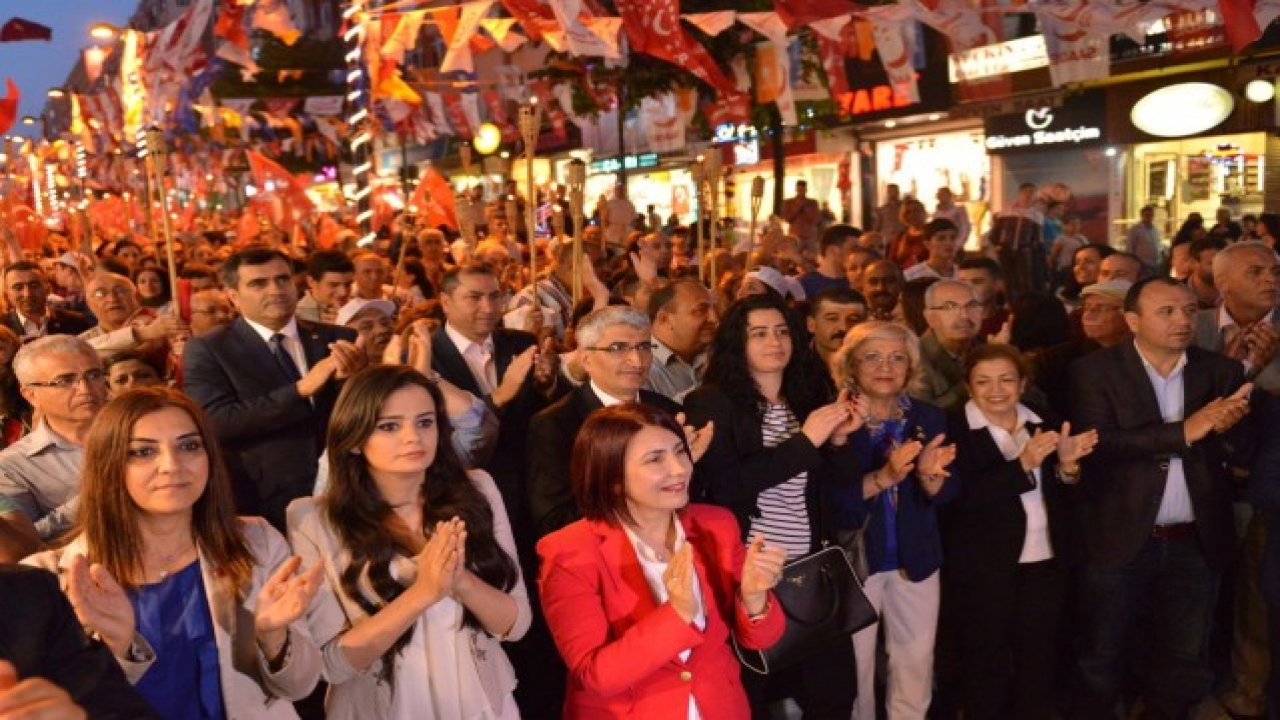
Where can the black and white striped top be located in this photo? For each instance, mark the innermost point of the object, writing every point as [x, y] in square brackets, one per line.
[784, 516]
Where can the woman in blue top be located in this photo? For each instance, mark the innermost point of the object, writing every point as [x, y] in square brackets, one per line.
[903, 440]
[202, 609]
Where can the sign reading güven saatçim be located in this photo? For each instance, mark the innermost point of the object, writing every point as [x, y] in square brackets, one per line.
[1079, 122]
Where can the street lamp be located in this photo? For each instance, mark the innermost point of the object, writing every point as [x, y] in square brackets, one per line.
[56, 93]
[104, 31]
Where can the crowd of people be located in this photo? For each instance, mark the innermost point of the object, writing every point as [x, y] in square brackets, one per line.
[407, 480]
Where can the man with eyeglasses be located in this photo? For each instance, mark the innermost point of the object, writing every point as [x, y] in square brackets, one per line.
[954, 314]
[26, 291]
[123, 323]
[62, 377]
[210, 310]
[1102, 320]
[615, 347]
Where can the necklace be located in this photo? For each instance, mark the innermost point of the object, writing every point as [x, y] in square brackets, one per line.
[166, 562]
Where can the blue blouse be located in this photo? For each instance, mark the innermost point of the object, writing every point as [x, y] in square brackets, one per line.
[885, 437]
[184, 681]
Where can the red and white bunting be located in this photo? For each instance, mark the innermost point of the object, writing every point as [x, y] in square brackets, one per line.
[503, 32]
[403, 37]
[711, 23]
[653, 28]
[773, 64]
[458, 56]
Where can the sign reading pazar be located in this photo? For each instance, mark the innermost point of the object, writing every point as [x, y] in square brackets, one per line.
[1079, 122]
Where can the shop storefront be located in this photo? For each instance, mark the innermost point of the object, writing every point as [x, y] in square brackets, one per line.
[651, 180]
[1194, 147]
[1062, 150]
[821, 161]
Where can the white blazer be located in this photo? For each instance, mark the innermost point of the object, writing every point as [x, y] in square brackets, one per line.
[362, 695]
[250, 691]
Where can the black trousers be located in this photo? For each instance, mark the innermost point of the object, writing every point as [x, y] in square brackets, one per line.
[1008, 632]
[824, 685]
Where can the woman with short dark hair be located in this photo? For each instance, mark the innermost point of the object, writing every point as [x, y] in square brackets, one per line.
[642, 594]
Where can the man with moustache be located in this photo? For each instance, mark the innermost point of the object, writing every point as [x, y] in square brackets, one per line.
[983, 275]
[684, 324]
[62, 377]
[831, 315]
[123, 323]
[882, 286]
[953, 312]
[26, 292]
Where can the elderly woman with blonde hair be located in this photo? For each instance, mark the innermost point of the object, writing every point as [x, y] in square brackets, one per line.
[904, 442]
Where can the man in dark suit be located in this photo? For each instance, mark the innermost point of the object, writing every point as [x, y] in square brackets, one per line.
[26, 290]
[1264, 491]
[473, 353]
[269, 381]
[48, 668]
[1155, 500]
[615, 347]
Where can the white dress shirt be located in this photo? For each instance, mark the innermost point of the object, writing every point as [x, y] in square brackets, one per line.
[608, 400]
[292, 343]
[1175, 504]
[653, 569]
[1036, 546]
[479, 359]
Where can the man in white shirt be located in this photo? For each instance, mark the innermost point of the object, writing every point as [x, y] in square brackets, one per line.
[1156, 501]
[617, 217]
[942, 242]
[947, 209]
[1143, 239]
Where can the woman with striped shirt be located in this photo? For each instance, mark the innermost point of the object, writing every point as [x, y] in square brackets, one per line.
[772, 461]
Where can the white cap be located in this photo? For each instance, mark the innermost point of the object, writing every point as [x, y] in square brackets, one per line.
[355, 306]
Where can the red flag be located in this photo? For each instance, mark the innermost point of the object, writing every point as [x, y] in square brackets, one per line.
[434, 199]
[653, 28]
[795, 13]
[230, 24]
[269, 176]
[19, 29]
[1239, 22]
[9, 105]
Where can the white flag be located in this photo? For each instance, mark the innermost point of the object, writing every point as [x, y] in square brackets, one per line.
[458, 57]
[711, 23]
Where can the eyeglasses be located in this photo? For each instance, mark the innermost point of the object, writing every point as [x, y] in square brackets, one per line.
[117, 291]
[622, 349]
[63, 382]
[952, 307]
[875, 359]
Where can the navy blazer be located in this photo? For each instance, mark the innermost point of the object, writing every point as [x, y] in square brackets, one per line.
[1124, 479]
[919, 540]
[508, 464]
[271, 436]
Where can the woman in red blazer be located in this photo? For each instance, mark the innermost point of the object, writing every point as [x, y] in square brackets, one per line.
[642, 593]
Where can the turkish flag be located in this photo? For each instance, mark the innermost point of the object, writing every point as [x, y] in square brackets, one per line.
[230, 24]
[434, 200]
[653, 28]
[795, 13]
[1239, 22]
[19, 29]
[9, 105]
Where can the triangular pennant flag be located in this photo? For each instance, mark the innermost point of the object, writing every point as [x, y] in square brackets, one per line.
[606, 28]
[502, 32]
[797, 13]
[404, 36]
[458, 56]
[711, 23]
[18, 29]
[831, 27]
[768, 24]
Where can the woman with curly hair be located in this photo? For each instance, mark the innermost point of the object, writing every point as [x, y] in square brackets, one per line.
[775, 452]
[423, 583]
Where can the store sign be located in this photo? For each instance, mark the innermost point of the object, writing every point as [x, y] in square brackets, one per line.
[999, 59]
[873, 97]
[628, 162]
[1079, 122]
[1182, 110]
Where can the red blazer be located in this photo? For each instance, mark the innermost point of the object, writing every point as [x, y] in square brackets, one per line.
[622, 648]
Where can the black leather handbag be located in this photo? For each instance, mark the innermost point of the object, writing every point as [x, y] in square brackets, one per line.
[822, 600]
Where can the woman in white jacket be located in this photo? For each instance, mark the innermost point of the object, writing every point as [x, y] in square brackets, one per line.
[423, 583]
[203, 610]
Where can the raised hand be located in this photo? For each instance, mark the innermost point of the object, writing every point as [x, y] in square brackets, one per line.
[101, 604]
[678, 579]
[34, 698]
[858, 406]
[902, 460]
[286, 596]
[1073, 448]
[646, 267]
[1004, 334]
[513, 379]
[546, 364]
[349, 357]
[761, 571]
[437, 564]
[931, 466]
[698, 439]
[1261, 340]
[821, 423]
[1041, 445]
[393, 353]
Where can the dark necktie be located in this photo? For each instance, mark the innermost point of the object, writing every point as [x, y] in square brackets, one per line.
[283, 358]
